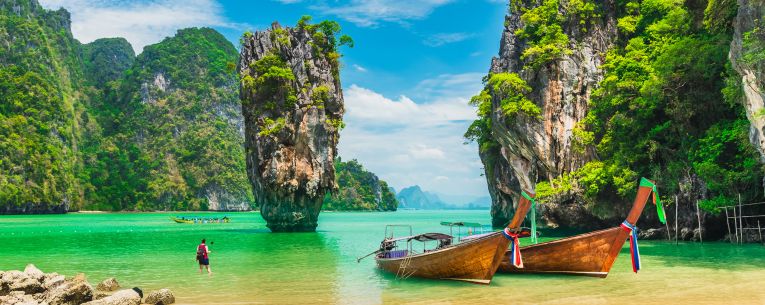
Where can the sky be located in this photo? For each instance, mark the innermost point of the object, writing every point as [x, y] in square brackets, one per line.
[406, 83]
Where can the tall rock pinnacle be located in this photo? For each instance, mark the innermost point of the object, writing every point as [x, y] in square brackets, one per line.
[293, 107]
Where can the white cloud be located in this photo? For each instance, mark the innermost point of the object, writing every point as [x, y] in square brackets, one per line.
[407, 142]
[359, 68]
[450, 85]
[369, 13]
[140, 22]
[375, 109]
[420, 151]
[437, 40]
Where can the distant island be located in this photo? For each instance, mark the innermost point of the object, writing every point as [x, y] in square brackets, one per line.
[359, 190]
[414, 197]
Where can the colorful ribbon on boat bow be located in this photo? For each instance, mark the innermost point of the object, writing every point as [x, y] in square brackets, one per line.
[659, 208]
[515, 248]
[533, 216]
[635, 253]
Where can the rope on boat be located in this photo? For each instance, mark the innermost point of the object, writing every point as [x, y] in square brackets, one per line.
[635, 253]
[515, 248]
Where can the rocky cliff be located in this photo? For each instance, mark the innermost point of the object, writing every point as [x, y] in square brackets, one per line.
[746, 55]
[530, 148]
[293, 106]
[586, 97]
[40, 110]
[92, 126]
[181, 111]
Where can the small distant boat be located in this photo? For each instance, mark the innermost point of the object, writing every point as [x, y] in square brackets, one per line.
[201, 220]
[590, 254]
[474, 258]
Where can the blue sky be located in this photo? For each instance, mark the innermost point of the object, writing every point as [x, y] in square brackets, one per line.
[406, 83]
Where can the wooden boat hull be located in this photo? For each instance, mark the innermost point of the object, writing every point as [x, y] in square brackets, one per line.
[473, 261]
[590, 254]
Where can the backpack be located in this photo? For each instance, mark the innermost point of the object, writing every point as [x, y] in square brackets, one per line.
[200, 252]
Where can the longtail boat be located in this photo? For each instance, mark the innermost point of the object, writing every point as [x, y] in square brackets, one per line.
[590, 254]
[473, 259]
[200, 220]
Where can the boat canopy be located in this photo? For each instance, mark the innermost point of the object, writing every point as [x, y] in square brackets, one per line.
[423, 237]
[430, 236]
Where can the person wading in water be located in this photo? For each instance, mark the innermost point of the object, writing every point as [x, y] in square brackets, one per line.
[203, 258]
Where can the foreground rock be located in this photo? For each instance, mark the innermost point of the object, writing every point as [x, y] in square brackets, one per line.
[33, 287]
[160, 297]
[122, 297]
[109, 284]
[293, 107]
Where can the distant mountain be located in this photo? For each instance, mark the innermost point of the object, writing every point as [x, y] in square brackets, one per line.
[469, 202]
[479, 203]
[414, 197]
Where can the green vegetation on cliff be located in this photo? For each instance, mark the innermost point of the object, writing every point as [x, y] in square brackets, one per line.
[91, 126]
[40, 108]
[543, 27]
[512, 91]
[359, 190]
[328, 39]
[177, 139]
[669, 107]
[106, 59]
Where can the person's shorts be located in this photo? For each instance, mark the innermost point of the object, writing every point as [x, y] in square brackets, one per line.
[204, 261]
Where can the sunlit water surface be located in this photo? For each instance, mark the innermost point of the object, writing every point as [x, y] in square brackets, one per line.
[252, 266]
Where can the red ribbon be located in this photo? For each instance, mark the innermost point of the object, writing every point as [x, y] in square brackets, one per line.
[634, 251]
[515, 248]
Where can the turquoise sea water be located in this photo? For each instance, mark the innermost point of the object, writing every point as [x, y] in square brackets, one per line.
[253, 266]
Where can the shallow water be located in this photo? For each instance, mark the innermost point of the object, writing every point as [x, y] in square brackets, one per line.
[252, 266]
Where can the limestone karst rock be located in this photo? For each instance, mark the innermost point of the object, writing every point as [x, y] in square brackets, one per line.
[292, 104]
[531, 149]
[748, 23]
